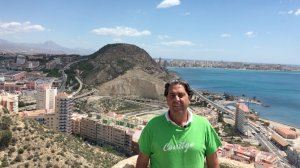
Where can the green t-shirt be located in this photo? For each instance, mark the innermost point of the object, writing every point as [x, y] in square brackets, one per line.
[169, 145]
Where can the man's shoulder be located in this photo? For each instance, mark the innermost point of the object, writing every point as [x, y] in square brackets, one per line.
[157, 120]
[200, 119]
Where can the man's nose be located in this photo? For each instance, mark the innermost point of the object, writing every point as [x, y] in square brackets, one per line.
[177, 98]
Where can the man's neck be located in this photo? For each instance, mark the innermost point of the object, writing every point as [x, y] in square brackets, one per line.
[179, 119]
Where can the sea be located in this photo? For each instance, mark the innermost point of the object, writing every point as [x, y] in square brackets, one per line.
[279, 91]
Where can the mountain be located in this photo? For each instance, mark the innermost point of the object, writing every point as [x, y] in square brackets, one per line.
[25, 143]
[48, 47]
[123, 69]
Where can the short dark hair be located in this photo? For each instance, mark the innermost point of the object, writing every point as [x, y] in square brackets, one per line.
[186, 86]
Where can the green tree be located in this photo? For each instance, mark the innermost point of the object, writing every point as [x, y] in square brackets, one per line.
[5, 123]
[5, 138]
[52, 72]
[5, 110]
[4, 161]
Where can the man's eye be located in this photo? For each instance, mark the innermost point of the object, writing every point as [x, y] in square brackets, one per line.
[180, 95]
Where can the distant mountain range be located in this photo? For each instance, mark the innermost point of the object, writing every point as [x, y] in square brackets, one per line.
[48, 47]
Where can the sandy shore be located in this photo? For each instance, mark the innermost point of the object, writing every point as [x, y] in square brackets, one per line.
[295, 142]
[278, 124]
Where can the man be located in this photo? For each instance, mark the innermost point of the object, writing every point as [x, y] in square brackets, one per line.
[178, 138]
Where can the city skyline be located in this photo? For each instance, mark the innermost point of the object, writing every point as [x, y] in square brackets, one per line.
[245, 31]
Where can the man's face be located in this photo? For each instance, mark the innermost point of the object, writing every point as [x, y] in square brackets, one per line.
[177, 99]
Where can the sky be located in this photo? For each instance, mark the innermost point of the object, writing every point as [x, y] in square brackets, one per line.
[261, 31]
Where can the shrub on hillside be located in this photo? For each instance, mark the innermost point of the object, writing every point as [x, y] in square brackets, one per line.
[5, 110]
[11, 150]
[26, 165]
[5, 138]
[18, 158]
[5, 123]
[20, 151]
[4, 161]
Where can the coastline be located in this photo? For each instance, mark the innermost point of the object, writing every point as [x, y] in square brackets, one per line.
[239, 69]
[259, 97]
[257, 102]
[279, 124]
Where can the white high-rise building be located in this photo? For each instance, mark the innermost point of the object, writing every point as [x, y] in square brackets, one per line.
[241, 118]
[64, 109]
[46, 97]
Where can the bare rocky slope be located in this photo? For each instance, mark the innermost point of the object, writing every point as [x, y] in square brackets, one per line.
[25, 143]
[134, 82]
[123, 69]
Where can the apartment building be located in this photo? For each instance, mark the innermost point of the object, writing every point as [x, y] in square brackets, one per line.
[64, 109]
[47, 118]
[108, 131]
[9, 101]
[14, 75]
[286, 133]
[13, 86]
[45, 96]
[241, 118]
[88, 129]
[51, 120]
[58, 118]
[248, 155]
[118, 136]
[76, 122]
[279, 141]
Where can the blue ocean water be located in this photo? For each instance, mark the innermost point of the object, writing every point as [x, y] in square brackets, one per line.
[279, 90]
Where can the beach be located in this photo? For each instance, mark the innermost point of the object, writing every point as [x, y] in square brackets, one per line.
[274, 124]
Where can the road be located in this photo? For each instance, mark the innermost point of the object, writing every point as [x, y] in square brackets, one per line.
[80, 86]
[217, 106]
[260, 136]
[65, 76]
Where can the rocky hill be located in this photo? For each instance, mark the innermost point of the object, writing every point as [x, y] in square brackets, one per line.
[25, 143]
[134, 82]
[123, 69]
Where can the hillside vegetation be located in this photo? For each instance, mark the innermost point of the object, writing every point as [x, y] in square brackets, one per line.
[25, 143]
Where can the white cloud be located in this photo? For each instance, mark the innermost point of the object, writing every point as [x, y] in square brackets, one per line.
[290, 12]
[117, 40]
[163, 37]
[16, 27]
[297, 12]
[168, 3]
[177, 43]
[249, 34]
[187, 13]
[120, 31]
[225, 35]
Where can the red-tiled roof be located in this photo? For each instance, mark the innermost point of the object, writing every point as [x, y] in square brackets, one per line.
[279, 140]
